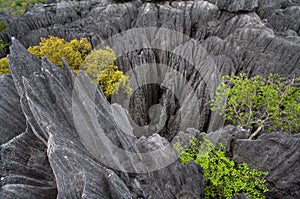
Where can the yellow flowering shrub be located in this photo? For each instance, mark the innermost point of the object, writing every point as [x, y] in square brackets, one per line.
[55, 48]
[4, 66]
[99, 66]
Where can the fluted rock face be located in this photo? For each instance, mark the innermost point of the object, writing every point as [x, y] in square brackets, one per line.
[285, 20]
[12, 119]
[251, 45]
[25, 169]
[51, 158]
[277, 153]
[175, 53]
[281, 15]
[232, 42]
[237, 5]
[227, 136]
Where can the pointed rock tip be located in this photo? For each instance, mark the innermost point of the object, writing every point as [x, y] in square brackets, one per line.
[16, 46]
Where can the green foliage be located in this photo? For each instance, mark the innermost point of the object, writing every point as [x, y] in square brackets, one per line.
[257, 103]
[3, 46]
[55, 49]
[223, 178]
[262, 13]
[17, 7]
[99, 65]
[4, 66]
[3, 26]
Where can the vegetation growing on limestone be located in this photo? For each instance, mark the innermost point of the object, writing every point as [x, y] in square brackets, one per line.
[223, 177]
[98, 64]
[17, 7]
[257, 103]
[55, 49]
[4, 66]
[3, 26]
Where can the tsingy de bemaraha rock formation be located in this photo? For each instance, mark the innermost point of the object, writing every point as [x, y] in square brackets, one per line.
[42, 153]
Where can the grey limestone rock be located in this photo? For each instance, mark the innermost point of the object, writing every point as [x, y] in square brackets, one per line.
[166, 187]
[240, 196]
[227, 136]
[218, 38]
[237, 5]
[25, 169]
[277, 153]
[232, 42]
[285, 19]
[58, 164]
[12, 119]
[281, 15]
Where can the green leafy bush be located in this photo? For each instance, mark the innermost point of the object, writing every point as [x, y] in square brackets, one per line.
[3, 26]
[3, 45]
[223, 178]
[17, 7]
[256, 103]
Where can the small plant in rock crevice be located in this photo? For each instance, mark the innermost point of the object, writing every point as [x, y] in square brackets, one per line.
[223, 177]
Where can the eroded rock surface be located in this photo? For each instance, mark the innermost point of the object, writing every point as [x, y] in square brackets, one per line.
[56, 162]
[281, 15]
[25, 169]
[232, 42]
[256, 37]
[12, 119]
[237, 5]
[277, 153]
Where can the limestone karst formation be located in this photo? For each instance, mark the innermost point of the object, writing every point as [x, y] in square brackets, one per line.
[176, 52]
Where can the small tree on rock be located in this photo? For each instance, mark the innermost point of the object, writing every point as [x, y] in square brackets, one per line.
[223, 177]
[256, 103]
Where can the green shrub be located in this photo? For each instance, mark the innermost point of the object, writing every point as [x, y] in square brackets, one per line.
[223, 178]
[3, 26]
[18, 3]
[256, 103]
[262, 13]
[17, 7]
[3, 45]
